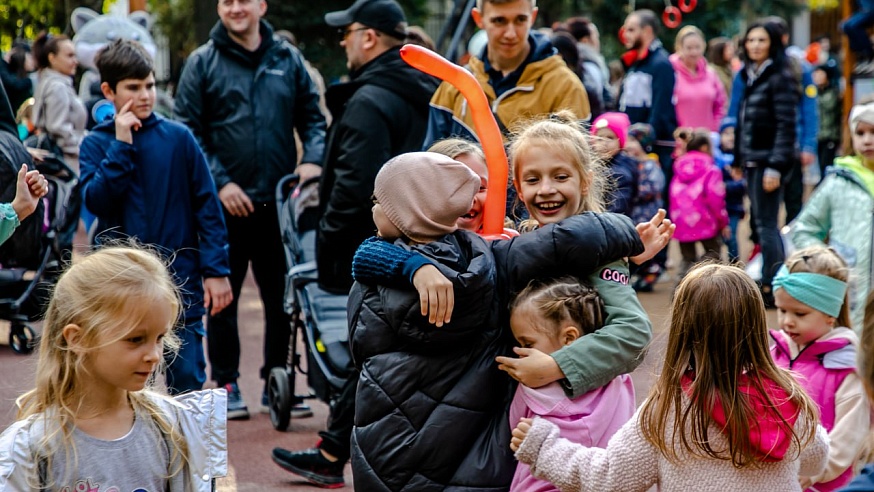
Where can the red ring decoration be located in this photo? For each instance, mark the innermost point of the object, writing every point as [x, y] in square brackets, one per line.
[672, 17]
[687, 6]
[622, 35]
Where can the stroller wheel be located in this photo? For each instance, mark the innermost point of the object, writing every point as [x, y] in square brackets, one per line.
[280, 398]
[22, 339]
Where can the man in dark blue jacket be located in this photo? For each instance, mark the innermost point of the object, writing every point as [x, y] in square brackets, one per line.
[242, 94]
[648, 89]
[145, 177]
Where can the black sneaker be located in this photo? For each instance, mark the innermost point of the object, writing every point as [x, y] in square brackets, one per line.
[299, 410]
[311, 465]
[237, 409]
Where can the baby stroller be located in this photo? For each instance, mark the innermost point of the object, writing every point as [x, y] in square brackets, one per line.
[31, 258]
[318, 318]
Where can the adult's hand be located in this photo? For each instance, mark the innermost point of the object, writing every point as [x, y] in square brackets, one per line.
[217, 294]
[533, 368]
[307, 170]
[436, 295]
[655, 235]
[236, 200]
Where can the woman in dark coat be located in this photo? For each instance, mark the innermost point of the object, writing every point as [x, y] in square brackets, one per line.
[766, 137]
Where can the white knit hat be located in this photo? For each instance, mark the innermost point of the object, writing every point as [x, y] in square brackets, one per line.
[423, 193]
[861, 112]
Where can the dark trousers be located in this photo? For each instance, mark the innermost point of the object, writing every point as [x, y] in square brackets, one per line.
[254, 239]
[793, 191]
[337, 439]
[827, 150]
[712, 251]
[765, 208]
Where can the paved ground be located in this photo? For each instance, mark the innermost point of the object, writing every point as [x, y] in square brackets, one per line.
[252, 440]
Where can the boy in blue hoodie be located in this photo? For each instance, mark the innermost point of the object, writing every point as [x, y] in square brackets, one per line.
[145, 177]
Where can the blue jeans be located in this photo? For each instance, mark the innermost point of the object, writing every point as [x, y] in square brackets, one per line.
[731, 242]
[187, 370]
[765, 208]
[855, 29]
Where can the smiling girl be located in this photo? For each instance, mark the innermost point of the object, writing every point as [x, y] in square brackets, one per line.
[94, 420]
[840, 210]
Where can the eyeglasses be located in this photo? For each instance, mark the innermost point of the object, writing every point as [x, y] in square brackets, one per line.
[344, 32]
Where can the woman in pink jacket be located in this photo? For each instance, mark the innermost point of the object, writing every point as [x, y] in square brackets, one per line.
[699, 95]
[697, 198]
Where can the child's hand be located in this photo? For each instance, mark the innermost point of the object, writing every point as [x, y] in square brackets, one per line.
[125, 122]
[31, 186]
[436, 296]
[519, 433]
[655, 235]
[217, 294]
[533, 368]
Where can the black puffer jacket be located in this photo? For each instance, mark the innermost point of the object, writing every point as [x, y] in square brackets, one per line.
[766, 119]
[243, 108]
[431, 409]
[381, 113]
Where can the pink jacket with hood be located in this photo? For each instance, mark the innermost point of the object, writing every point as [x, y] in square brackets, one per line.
[699, 98]
[590, 419]
[697, 198]
[826, 368]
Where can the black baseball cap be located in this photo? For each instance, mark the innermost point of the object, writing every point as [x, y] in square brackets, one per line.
[383, 15]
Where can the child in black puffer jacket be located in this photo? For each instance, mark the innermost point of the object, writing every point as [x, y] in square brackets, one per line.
[431, 408]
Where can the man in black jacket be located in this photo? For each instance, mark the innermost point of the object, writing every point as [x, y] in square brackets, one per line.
[382, 112]
[243, 94]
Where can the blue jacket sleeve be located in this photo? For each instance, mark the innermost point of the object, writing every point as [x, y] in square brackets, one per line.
[625, 191]
[211, 231]
[379, 262]
[808, 114]
[439, 126]
[105, 174]
[737, 91]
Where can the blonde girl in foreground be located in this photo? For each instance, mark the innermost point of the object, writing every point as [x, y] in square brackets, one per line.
[94, 419]
[715, 420]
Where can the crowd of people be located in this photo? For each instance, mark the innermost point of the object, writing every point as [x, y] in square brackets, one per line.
[475, 364]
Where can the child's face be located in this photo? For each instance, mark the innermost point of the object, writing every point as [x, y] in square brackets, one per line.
[532, 331]
[473, 220]
[801, 322]
[633, 149]
[820, 78]
[128, 363]
[726, 138]
[863, 141]
[140, 91]
[384, 227]
[606, 143]
[549, 185]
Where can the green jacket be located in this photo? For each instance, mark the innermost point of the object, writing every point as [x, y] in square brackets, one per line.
[8, 221]
[840, 214]
[594, 360]
[829, 103]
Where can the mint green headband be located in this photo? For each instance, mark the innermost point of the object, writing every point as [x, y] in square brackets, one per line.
[820, 292]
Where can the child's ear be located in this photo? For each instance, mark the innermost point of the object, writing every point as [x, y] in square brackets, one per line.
[107, 91]
[569, 334]
[72, 335]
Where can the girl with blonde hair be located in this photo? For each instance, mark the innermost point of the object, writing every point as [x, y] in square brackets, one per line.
[715, 419]
[95, 415]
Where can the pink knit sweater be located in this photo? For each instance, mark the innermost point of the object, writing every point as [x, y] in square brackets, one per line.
[630, 463]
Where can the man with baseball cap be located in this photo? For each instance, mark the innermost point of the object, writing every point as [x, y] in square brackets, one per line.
[380, 113]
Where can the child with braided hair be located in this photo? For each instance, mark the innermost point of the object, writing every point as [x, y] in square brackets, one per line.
[546, 317]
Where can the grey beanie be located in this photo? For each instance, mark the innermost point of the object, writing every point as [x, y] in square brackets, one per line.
[424, 193]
